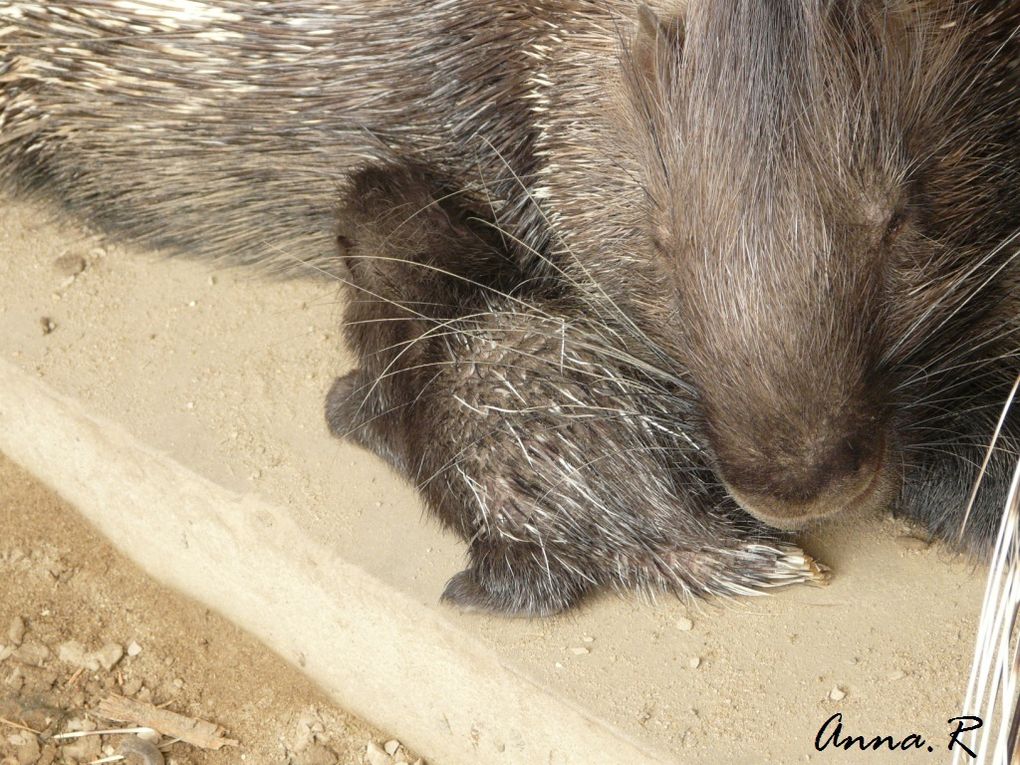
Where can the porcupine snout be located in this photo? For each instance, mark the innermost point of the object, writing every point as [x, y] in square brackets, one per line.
[791, 481]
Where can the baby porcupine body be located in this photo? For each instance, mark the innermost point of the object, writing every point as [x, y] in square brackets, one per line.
[536, 434]
[805, 210]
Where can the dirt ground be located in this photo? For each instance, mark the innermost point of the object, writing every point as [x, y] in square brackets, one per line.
[78, 623]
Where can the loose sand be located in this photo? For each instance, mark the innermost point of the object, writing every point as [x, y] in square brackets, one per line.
[67, 592]
[226, 371]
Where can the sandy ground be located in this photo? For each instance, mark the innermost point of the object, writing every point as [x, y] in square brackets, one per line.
[78, 622]
[226, 372]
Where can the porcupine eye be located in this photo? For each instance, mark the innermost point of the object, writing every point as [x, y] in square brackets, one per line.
[894, 226]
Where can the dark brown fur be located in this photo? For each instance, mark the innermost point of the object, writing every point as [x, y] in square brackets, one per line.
[536, 434]
[833, 218]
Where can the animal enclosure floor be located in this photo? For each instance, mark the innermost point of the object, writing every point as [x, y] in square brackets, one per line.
[69, 602]
[226, 371]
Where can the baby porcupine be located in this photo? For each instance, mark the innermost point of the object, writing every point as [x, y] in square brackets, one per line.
[535, 432]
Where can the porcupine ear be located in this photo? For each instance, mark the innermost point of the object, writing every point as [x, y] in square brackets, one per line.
[657, 48]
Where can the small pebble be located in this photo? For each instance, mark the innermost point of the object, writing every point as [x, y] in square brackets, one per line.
[588, 639]
[48, 325]
[694, 662]
[28, 751]
[684, 624]
[316, 754]
[69, 265]
[897, 674]
[150, 735]
[32, 653]
[837, 693]
[109, 655]
[72, 652]
[580, 650]
[83, 749]
[391, 747]
[16, 632]
[133, 649]
[376, 755]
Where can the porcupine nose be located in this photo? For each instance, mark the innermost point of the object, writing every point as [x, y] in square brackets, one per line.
[790, 487]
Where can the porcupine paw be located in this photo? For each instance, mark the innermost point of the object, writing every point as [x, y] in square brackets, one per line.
[513, 588]
[344, 407]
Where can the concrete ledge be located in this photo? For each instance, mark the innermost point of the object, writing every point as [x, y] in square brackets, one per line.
[375, 650]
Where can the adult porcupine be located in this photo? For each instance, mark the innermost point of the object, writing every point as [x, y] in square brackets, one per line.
[538, 434]
[808, 206]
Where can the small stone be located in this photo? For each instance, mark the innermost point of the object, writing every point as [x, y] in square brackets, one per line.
[391, 747]
[131, 686]
[32, 653]
[580, 650]
[376, 755]
[150, 735]
[694, 662]
[133, 649]
[28, 751]
[69, 265]
[76, 724]
[109, 655]
[47, 324]
[16, 632]
[897, 674]
[6, 651]
[84, 749]
[908, 542]
[16, 680]
[316, 754]
[684, 624]
[72, 652]
[588, 639]
[178, 683]
[837, 693]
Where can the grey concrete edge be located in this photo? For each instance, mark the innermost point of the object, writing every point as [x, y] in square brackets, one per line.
[400, 665]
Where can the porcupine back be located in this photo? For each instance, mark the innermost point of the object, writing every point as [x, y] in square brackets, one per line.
[225, 128]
